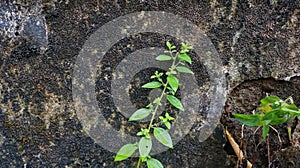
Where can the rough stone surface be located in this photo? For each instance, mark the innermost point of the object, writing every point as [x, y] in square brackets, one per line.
[39, 42]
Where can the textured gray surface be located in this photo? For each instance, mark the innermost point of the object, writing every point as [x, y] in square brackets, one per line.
[41, 40]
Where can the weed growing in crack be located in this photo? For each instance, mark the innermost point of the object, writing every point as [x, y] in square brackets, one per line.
[272, 111]
[154, 130]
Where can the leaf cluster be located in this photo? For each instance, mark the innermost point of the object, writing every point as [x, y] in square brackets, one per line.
[272, 111]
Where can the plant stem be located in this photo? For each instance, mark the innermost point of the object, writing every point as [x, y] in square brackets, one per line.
[162, 94]
[290, 133]
[139, 163]
[173, 63]
[269, 155]
[157, 105]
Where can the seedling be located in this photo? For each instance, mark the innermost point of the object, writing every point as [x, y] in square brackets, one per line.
[169, 89]
[272, 111]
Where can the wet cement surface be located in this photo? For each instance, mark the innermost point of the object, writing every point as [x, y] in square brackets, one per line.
[40, 42]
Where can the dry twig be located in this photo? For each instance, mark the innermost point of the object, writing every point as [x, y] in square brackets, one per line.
[236, 148]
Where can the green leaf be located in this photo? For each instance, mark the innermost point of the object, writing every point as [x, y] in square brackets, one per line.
[268, 103]
[266, 129]
[271, 114]
[184, 51]
[125, 152]
[276, 117]
[140, 114]
[175, 102]
[163, 58]
[140, 133]
[281, 120]
[185, 57]
[169, 45]
[170, 118]
[167, 124]
[150, 105]
[161, 118]
[152, 85]
[154, 163]
[145, 146]
[173, 72]
[291, 112]
[163, 136]
[173, 82]
[248, 119]
[269, 100]
[184, 69]
[186, 46]
[291, 107]
[171, 90]
[144, 132]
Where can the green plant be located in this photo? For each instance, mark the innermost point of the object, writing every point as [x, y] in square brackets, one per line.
[272, 111]
[169, 89]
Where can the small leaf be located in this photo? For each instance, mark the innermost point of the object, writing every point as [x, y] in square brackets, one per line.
[144, 159]
[150, 105]
[125, 152]
[163, 136]
[173, 82]
[170, 118]
[175, 102]
[167, 124]
[186, 46]
[163, 58]
[140, 114]
[248, 119]
[184, 69]
[154, 163]
[173, 72]
[184, 51]
[185, 57]
[157, 101]
[145, 146]
[140, 133]
[152, 85]
[171, 90]
[266, 129]
[169, 45]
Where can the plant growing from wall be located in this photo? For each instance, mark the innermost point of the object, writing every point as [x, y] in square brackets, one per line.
[179, 58]
[272, 111]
